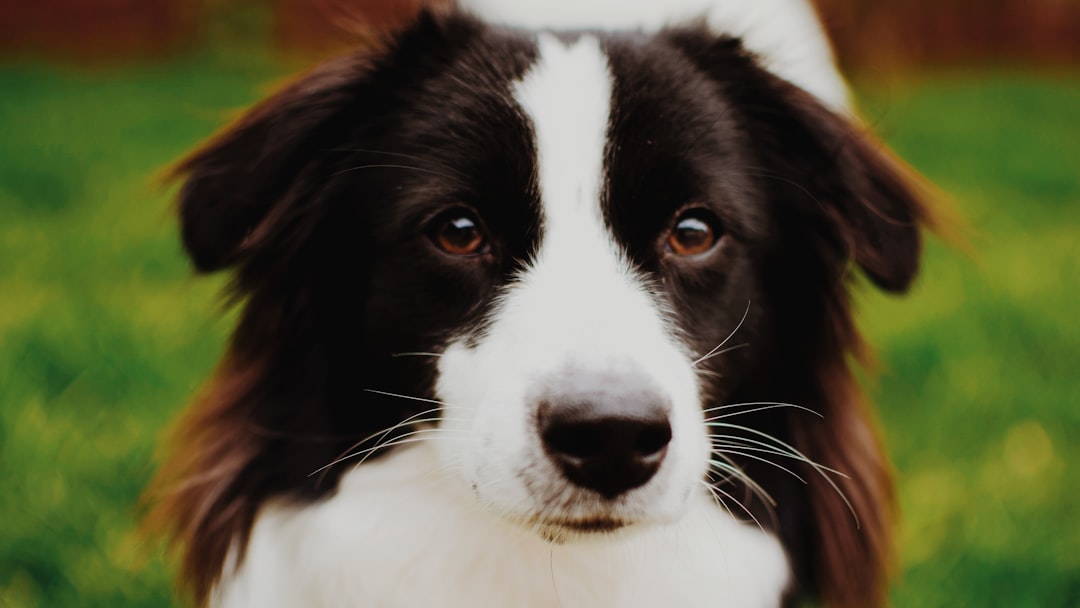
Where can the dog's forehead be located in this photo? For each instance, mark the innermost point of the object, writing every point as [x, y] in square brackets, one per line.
[625, 132]
[537, 130]
[566, 96]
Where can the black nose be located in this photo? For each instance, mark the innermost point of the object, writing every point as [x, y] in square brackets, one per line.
[612, 442]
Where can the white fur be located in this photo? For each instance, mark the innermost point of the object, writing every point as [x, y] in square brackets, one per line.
[786, 34]
[400, 534]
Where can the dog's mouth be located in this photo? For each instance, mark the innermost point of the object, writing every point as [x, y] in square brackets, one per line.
[558, 530]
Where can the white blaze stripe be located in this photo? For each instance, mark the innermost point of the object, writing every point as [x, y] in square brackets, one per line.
[579, 285]
[568, 97]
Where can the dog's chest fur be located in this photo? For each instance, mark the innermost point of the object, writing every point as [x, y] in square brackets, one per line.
[398, 534]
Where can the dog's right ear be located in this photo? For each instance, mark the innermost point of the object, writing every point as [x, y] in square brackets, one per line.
[237, 185]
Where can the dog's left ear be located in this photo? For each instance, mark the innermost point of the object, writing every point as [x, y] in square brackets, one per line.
[821, 164]
[871, 202]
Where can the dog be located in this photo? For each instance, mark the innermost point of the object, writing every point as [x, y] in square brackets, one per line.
[536, 313]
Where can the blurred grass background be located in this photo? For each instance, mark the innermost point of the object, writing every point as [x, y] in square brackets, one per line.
[105, 333]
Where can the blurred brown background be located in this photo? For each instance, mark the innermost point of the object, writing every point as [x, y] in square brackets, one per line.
[882, 34]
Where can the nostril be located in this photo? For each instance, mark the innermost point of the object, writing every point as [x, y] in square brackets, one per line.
[612, 437]
[574, 440]
[653, 439]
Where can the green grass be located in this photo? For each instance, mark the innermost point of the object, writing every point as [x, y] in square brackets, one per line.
[980, 401]
[104, 333]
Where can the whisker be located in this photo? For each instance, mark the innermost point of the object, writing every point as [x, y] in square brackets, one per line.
[400, 396]
[410, 437]
[821, 469]
[417, 354]
[397, 442]
[414, 157]
[721, 351]
[719, 346]
[765, 405]
[392, 166]
[414, 419]
[741, 506]
[380, 437]
[728, 465]
[759, 172]
[755, 403]
[790, 453]
[726, 450]
[377, 436]
[746, 443]
[716, 498]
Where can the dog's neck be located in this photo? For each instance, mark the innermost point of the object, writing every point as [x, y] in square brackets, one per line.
[400, 533]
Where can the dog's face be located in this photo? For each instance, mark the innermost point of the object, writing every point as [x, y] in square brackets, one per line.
[571, 397]
[572, 400]
[554, 257]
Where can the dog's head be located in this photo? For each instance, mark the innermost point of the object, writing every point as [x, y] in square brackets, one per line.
[597, 272]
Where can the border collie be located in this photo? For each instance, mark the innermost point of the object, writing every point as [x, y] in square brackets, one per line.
[538, 313]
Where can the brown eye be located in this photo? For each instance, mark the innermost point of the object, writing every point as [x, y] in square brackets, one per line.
[459, 233]
[694, 233]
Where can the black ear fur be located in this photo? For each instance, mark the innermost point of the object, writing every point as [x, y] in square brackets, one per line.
[836, 171]
[245, 183]
[234, 186]
[869, 199]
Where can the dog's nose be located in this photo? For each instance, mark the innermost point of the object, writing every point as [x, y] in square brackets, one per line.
[610, 442]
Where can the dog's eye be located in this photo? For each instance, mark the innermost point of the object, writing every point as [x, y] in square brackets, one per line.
[694, 233]
[459, 233]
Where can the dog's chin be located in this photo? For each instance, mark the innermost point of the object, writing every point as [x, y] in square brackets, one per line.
[598, 522]
[562, 531]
